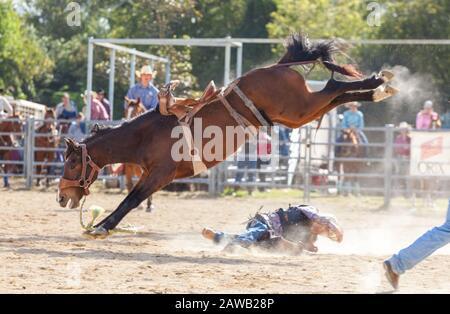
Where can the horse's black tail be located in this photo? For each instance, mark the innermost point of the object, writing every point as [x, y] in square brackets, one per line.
[300, 49]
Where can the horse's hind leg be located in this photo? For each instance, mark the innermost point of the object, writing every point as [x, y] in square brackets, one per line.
[340, 87]
[150, 206]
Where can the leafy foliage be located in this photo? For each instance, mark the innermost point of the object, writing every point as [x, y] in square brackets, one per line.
[23, 61]
[42, 56]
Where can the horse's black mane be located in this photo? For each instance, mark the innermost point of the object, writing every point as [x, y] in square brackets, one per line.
[299, 48]
[104, 129]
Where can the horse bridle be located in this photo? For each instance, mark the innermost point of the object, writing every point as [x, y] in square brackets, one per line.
[82, 182]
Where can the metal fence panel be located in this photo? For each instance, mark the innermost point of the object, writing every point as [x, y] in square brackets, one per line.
[307, 165]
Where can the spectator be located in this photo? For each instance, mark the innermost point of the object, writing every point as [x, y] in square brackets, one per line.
[402, 151]
[427, 119]
[354, 119]
[105, 102]
[77, 130]
[284, 140]
[446, 118]
[145, 90]
[66, 109]
[98, 111]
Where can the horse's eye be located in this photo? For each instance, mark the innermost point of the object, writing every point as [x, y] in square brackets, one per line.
[72, 163]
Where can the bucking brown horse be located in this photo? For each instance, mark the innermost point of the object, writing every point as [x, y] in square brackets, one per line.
[46, 141]
[261, 97]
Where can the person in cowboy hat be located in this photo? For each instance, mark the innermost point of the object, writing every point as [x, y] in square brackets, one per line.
[354, 119]
[145, 90]
[293, 230]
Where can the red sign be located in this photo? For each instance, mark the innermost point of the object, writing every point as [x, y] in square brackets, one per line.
[431, 148]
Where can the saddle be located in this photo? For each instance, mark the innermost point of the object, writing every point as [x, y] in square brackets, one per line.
[181, 107]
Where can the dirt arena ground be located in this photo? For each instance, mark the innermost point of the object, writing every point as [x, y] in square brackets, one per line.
[42, 250]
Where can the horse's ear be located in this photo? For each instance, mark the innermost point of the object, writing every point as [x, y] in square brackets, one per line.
[96, 128]
[127, 99]
[138, 100]
[71, 143]
[71, 147]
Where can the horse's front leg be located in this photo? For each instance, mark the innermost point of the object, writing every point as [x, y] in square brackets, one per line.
[147, 185]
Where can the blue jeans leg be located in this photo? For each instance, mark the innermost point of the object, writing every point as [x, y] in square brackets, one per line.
[255, 232]
[423, 247]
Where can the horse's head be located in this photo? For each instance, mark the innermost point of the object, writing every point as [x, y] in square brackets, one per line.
[134, 107]
[49, 113]
[80, 171]
[49, 117]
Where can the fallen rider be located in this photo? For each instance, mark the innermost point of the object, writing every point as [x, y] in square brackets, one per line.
[289, 230]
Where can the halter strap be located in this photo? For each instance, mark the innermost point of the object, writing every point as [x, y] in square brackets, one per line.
[250, 105]
[82, 182]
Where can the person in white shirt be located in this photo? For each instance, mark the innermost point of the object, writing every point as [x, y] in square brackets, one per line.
[77, 129]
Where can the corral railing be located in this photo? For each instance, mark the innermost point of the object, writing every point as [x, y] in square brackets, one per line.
[382, 169]
[12, 162]
[302, 161]
[32, 169]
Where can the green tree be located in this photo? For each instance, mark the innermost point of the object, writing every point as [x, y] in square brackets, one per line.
[427, 64]
[320, 18]
[23, 61]
[414, 19]
[240, 18]
[67, 44]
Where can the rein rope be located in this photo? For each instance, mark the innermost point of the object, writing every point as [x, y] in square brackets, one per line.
[90, 226]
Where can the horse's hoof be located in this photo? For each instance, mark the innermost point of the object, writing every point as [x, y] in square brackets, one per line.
[150, 208]
[386, 75]
[97, 233]
[383, 92]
